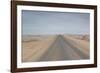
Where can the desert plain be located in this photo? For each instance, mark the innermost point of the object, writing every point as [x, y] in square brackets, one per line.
[38, 48]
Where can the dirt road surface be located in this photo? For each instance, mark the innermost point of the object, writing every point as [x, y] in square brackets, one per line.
[59, 49]
[63, 49]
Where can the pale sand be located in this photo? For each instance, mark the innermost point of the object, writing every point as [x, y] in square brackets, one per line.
[82, 45]
[31, 49]
[34, 48]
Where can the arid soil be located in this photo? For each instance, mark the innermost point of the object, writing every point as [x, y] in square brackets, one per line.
[55, 48]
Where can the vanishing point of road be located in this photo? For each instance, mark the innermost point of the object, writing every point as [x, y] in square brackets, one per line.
[63, 49]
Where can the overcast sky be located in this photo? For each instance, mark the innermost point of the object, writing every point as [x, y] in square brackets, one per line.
[44, 22]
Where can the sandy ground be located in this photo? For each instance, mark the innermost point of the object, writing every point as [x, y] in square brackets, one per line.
[54, 48]
[33, 50]
[82, 44]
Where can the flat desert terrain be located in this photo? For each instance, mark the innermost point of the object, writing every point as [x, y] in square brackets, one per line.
[55, 47]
